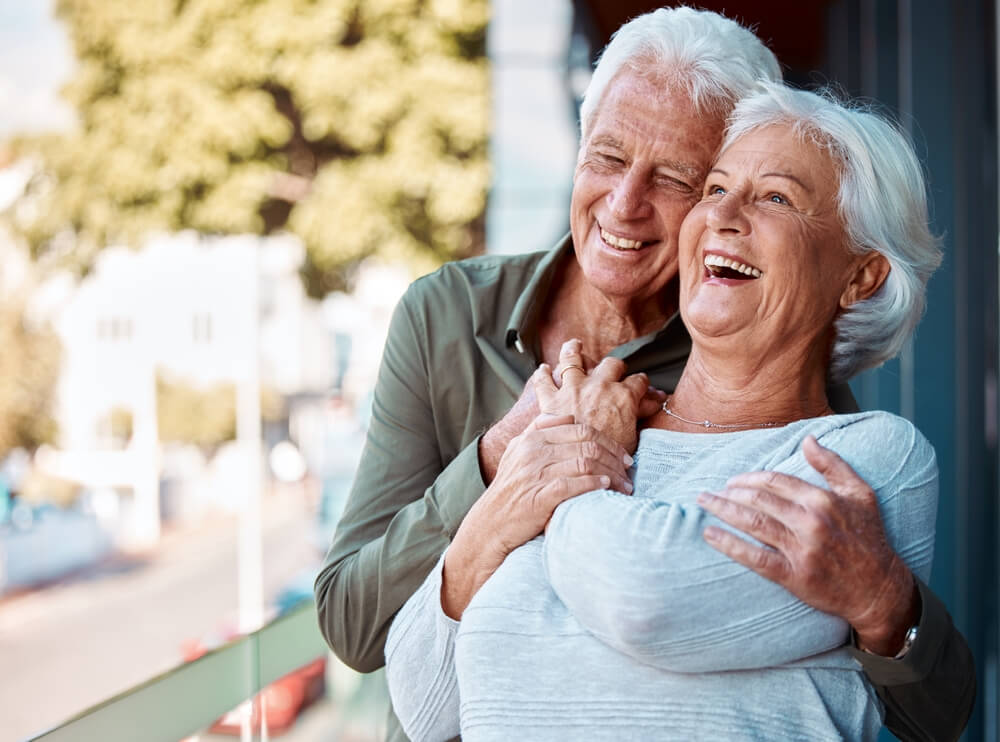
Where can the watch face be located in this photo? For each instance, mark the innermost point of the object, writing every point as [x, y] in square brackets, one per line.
[911, 636]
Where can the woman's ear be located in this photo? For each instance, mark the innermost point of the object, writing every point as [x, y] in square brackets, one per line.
[870, 274]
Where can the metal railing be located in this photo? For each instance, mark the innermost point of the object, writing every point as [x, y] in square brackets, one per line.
[187, 699]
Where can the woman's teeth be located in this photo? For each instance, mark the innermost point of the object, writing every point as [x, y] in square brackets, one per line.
[621, 242]
[717, 263]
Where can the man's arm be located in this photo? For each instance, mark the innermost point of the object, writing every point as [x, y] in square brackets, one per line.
[404, 506]
[930, 691]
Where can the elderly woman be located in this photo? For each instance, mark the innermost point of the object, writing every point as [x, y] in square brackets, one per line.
[805, 262]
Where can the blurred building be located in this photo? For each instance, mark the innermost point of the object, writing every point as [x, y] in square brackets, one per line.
[201, 311]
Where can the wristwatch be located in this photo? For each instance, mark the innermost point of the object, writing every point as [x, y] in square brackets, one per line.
[908, 640]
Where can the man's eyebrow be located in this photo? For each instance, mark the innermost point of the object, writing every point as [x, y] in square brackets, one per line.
[607, 140]
[681, 167]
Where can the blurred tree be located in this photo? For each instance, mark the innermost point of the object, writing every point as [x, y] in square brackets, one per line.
[205, 417]
[29, 365]
[360, 125]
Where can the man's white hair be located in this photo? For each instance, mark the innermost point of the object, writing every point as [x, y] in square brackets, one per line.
[714, 58]
[882, 203]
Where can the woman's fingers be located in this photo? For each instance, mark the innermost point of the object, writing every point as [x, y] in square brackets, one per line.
[651, 402]
[580, 433]
[587, 458]
[544, 421]
[637, 384]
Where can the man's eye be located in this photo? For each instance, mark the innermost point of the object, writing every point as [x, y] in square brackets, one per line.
[777, 198]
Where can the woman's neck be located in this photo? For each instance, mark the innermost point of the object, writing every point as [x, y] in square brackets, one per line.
[731, 393]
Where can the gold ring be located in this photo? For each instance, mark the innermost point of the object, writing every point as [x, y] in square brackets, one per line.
[573, 365]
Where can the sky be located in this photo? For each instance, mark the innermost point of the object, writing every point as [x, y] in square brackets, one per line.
[35, 60]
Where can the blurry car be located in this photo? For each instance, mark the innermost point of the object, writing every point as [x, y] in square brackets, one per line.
[42, 543]
[281, 701]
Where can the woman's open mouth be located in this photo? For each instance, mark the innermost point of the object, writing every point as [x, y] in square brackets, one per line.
[719, 266]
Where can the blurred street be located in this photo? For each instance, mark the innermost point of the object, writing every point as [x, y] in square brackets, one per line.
[77, 642]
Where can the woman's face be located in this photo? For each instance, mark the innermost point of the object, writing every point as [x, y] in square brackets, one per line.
[763, 255]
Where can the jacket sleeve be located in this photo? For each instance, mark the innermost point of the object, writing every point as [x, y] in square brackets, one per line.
[928, 693]
[404, 507]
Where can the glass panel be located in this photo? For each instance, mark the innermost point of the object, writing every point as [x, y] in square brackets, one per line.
[320, 702]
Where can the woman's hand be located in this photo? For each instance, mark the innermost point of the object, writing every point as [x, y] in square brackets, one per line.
[551, 461]
[600, 399]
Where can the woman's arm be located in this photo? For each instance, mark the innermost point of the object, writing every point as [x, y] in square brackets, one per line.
[420, 667]
[637, 573]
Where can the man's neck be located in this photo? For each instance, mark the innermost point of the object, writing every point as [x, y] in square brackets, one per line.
[575, 309]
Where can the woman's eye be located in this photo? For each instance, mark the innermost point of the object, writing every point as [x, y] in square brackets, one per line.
[715, 191]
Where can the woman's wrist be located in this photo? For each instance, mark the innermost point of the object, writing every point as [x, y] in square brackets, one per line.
[470, 561]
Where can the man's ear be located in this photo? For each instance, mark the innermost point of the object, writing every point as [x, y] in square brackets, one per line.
[869, 276]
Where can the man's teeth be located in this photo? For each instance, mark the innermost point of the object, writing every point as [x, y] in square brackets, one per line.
[718, 261]
[620, 241]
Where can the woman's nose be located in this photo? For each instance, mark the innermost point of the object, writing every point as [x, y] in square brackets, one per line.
[627, 200]
[726, 215]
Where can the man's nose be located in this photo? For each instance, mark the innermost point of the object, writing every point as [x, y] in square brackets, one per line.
[628, 199]
[726, 215]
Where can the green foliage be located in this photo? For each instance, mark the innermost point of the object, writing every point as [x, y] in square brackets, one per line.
[205, 417]
[360, 125]
[29, 365]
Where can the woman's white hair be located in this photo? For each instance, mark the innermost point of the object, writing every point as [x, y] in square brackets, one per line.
[882, 203]
[714, 58]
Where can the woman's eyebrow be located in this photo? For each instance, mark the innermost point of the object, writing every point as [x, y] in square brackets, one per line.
[789, 176]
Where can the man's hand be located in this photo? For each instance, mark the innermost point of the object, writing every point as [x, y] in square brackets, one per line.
[552, 461]
[494, 441]
[828, 548]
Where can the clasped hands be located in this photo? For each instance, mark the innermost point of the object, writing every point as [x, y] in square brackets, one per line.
[580, 439]
[826, 547]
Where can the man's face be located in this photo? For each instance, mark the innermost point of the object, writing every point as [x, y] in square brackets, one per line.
[639, 172]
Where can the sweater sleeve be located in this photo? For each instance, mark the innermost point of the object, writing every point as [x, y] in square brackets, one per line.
[637, 573]
[420, 667]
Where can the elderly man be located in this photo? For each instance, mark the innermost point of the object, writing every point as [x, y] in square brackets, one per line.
[451, 391]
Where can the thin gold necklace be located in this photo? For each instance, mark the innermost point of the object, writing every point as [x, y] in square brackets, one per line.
[710, 424]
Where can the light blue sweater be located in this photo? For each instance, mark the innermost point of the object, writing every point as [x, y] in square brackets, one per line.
[622, 623]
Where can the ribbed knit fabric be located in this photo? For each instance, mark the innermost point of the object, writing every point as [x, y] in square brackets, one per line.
[622, 623]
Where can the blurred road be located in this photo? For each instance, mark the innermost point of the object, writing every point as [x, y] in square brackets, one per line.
[72, 644]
